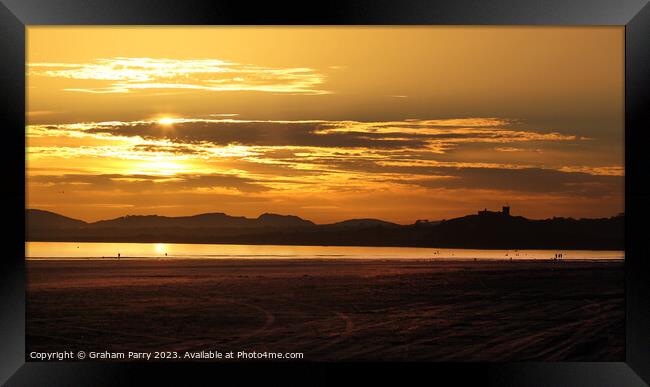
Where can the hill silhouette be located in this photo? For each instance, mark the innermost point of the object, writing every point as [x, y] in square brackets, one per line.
[484, 230]
[358, 223]
[50, 220]
[201, 220]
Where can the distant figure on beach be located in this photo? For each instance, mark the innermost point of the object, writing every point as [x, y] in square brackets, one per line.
[118, 256]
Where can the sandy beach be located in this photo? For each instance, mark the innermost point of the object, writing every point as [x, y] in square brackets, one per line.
[332, 310]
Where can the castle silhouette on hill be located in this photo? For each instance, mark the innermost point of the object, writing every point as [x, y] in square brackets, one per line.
[505, 211]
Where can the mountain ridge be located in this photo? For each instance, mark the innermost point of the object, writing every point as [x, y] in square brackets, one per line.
[483, 230]
[212, 219]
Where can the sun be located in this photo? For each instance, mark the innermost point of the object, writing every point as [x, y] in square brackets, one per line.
[166, 120]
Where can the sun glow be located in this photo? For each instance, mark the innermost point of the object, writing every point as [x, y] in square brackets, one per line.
[166, 120]
[161, 248]
[160, 167]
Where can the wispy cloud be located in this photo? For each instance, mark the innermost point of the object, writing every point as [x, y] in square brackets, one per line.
[508, 149]
[602, 171]
[123, 75]
[40, 113]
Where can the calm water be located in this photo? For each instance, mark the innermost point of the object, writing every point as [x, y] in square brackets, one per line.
[86, 250]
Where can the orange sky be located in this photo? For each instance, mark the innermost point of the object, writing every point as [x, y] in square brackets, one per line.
[327, 123]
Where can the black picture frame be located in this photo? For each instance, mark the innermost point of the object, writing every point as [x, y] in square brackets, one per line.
[16, 15]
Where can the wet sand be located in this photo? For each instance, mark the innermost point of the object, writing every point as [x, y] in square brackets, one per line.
[332, 310]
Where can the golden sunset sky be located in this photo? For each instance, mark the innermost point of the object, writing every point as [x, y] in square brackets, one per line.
[327, 123]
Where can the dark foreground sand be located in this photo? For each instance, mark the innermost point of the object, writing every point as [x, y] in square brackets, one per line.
[332, 309]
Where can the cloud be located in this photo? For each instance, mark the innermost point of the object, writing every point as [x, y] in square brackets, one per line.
[527, 180]
[143, 182]
[604, 171]
[433, 135]
[124, 75]
[320, 157]
[250, 133]
[174, 149]
[40, 113]
[508, 149]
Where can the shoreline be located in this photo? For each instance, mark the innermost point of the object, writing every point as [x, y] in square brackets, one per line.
[162, 251]
[320, 259]
[244, 243]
